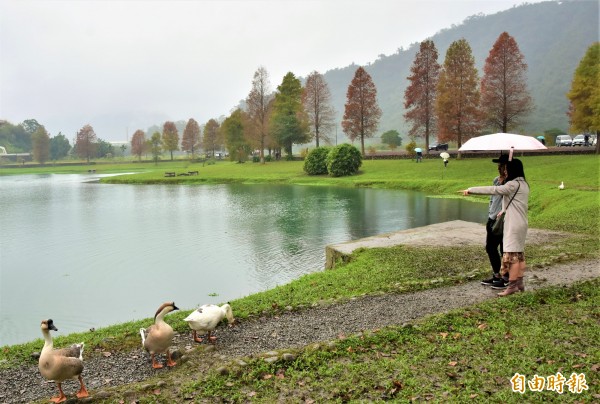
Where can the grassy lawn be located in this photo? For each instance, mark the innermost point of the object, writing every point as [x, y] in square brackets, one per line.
[440, 358]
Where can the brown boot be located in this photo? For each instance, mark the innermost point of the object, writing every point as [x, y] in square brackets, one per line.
[520, 284]
[512, 288]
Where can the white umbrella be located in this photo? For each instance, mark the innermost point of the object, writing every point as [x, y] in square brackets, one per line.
[502, 141]
[444, 155]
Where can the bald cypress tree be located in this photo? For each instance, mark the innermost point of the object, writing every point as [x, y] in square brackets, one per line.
[505, 100]
[362, 113]
[419, 97]
[457, 103]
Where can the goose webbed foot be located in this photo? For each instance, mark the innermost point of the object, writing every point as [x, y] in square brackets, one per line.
[82, 393]
[170, 361]
[155, 364]
[198, 340]
[61, 397]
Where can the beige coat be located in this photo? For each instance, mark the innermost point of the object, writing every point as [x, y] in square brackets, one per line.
[515, 222]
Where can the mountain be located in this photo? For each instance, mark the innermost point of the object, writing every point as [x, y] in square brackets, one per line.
[553, 37]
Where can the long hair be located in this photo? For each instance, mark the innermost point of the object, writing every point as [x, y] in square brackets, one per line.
[514, 169]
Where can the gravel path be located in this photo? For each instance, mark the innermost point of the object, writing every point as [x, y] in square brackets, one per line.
[289, 330]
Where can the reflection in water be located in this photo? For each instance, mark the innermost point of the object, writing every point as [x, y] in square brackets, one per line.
[92, 254]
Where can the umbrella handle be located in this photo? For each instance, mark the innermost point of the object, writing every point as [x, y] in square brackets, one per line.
[510, 153]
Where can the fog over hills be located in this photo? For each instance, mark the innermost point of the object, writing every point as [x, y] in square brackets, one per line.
[553, 37]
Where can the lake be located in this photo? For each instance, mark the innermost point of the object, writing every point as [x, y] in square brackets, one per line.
[89, 255]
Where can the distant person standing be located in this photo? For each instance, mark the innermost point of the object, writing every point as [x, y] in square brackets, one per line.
[493, 242]
[586, 139]
[515, 201]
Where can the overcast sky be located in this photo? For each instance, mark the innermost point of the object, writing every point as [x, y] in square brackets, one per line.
[125, 65]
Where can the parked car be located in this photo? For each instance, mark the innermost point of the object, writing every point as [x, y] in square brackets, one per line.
[578, 140]
[438, 146]
[563, 140]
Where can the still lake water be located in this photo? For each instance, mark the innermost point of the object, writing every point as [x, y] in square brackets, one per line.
[89, 255]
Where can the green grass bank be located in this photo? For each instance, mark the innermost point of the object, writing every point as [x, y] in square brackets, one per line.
[402, 363]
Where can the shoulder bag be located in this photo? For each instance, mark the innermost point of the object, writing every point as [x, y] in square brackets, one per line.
[498, 226]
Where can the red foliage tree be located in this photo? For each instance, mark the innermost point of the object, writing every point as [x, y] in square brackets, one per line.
[419, 97]
[170, 137]
[86, 143]
[362, 113]
[138, 143]
[213, 140]
[191, 136]
[505, 100]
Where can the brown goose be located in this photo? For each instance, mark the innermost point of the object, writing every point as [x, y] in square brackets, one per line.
[58, 365]
[156, 339]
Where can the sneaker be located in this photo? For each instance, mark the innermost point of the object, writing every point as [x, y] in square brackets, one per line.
[499, 284]
[489, 282]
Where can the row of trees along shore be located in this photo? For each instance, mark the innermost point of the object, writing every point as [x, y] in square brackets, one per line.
[447, 102]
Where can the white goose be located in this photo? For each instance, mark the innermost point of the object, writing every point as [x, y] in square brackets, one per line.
[206, 318]
[157, 338]
[58, 365]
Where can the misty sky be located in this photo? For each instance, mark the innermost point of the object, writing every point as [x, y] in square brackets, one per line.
[125, 65]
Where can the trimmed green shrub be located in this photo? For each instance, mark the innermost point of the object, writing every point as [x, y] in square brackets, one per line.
[315, 162]
[343, 160]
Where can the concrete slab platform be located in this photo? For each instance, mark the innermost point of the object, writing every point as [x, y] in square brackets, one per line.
[453, 233]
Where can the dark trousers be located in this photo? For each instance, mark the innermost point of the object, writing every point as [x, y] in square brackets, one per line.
[493, 248]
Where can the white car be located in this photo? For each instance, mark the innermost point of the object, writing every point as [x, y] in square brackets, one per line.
[578, 140]
[563, 140]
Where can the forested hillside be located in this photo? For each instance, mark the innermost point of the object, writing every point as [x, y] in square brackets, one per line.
[553, 37]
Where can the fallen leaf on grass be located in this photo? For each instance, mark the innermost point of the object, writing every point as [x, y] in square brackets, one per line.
[252, 394]
[473, 395]
[453, 363]
[595, 367]
[444, 335]
[156, 392]
[482, 326]
[267, 377]
[579, 366]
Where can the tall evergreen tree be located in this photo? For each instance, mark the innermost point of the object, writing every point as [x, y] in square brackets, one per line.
[316, 99]
[584, 96]
[289, 124]
[233, 133]
[59, 147]
[156, 146]
[457, 103]
[362, 113]
[505, 100]
[419, 97]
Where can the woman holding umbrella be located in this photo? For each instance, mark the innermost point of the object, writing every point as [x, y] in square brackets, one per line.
[515, 197]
